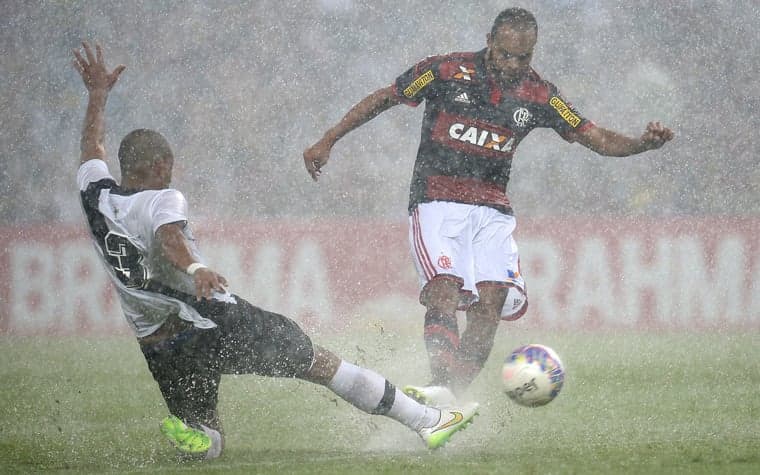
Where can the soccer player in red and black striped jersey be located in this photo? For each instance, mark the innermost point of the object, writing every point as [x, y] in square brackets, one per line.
[479, 106]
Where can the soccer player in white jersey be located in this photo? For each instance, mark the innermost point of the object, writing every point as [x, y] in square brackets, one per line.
[190, 328]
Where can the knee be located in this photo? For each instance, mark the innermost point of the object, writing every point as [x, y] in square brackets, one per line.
[324, 366]
[508, 302]
[485, 313]
[442, 293]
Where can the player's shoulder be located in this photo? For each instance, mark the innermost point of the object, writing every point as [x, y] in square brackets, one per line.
[93, 163]
[534, 88]
[461, 56]
[156, 199]
[534, 77]
[167, 201]
[455, 57]
[93, 171]
[168, 194]
[457, 67]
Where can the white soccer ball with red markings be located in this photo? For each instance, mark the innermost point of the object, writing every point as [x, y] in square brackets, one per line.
[533, 375]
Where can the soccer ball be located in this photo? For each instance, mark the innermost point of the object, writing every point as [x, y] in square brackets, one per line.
[533, 375]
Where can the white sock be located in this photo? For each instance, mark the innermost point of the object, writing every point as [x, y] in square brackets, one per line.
[413, 414]
[372, 393]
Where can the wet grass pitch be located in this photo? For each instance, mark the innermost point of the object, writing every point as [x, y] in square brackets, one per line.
[632, 403]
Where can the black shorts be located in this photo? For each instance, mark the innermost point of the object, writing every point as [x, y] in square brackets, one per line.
[247, 340]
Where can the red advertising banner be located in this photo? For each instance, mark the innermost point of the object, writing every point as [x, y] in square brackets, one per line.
[582, 273]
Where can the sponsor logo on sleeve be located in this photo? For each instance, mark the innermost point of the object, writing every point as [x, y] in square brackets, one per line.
[419, 83]
[564, 111]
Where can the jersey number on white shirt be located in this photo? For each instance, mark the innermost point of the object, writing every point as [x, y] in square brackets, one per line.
[126, 260]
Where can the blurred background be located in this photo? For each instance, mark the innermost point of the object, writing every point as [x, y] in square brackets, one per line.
[242, 88]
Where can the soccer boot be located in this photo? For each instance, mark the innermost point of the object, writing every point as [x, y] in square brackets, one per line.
[438, 396]
[451, 421]
[189, 440]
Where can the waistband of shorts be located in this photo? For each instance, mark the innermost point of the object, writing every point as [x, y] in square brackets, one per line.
[501, 209]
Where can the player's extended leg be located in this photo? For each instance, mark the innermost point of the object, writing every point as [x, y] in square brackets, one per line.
[497, 265]
[373, 394]
[477, 340]
[440, 239]
[184, 368]
[266, 343]
[441, 332]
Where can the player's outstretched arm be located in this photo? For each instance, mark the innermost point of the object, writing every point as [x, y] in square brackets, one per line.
[316, 156]
[612, 144]
[98, 81]
[175, 249]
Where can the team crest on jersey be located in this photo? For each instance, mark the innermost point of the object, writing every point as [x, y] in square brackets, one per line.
[521, 116]
[444, 262]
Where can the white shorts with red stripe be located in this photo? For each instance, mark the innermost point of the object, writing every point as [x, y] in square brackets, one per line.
[472, 243]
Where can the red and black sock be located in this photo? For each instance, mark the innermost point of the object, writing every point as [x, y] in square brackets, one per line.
[442, 342]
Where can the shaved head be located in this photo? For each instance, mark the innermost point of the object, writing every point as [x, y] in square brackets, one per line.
[515, 18]
[143, 154]
[143, 147]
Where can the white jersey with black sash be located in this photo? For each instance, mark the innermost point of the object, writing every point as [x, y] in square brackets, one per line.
[123, 224]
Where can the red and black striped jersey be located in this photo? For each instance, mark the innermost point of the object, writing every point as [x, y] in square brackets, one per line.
[471, 127]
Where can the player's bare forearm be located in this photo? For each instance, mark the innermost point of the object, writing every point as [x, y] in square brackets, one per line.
[316, 156]
[98, 81]
[612, 144]
[361, 113]
[92, 144]
[175, 249]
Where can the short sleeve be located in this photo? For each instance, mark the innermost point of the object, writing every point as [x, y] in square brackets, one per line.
[169, 206]
[564, 118]
[417, 83]
[92, 171]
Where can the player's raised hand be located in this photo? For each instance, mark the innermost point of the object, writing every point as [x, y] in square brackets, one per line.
[656, 135]
[92, 68]
[315, 157]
